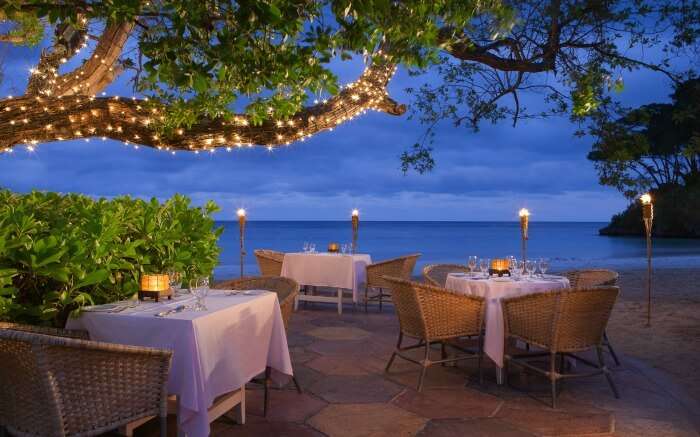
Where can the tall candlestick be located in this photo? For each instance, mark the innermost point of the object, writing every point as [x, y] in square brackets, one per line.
[355, 228]
[241, 228]
[524, 224]
[648, 218]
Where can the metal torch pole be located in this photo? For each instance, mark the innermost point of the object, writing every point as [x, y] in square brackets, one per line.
[241, 228]
[355, 229]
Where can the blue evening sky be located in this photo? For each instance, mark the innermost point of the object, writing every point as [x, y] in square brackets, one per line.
[487, 175]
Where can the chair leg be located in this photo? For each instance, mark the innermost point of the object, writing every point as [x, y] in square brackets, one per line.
[266, 396]
[443, 353]
[381, 294]
[163, 426]
[426, 363]
[553, 377]
[393, 355]
[610, 348]
[296, 384]
[366, 297]
[480, 359]
[606, 372]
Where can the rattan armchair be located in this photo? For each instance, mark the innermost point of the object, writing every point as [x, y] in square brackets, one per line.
[560, 323]
[434, 315]
[287, 290]
[436, 274]
[595, 278]
[55, 384]
[401, 267]
[269, 262]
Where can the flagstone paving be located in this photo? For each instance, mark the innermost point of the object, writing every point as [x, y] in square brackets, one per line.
[339, 362]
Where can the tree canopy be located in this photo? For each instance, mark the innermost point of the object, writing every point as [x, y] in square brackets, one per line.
[192, 62]
[651, 147]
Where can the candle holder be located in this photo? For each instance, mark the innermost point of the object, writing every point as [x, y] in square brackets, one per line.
[499, 267]
[333, 247]
[155, 286]
[241, 228]
[355, 229]
[648, 219]
[524, 225]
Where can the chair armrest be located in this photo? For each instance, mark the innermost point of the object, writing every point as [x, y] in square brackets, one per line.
[45, 330]
[531, 318]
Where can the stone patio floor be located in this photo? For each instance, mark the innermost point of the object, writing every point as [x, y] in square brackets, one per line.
[339, 362]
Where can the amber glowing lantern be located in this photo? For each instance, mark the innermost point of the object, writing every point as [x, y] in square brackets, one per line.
[499, 266]
[155, 286]
[333, 247]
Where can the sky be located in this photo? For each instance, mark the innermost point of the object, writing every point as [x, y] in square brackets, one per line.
[479, 176]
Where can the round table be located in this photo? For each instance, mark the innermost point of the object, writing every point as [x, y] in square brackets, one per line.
[494, 289]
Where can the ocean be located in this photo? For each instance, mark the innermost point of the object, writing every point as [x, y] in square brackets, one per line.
[567, 244]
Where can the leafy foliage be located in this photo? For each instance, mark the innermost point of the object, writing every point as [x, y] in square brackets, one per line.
[59, 253]
[202, 57]
[651, 146]
[27, 28]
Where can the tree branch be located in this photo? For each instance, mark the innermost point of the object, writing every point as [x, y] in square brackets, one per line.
[33, 119]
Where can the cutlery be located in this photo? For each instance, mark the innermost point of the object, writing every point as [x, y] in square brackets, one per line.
[178, 309]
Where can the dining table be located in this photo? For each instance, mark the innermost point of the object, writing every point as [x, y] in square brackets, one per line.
[323, 269]
[494, 289]
[216, 351]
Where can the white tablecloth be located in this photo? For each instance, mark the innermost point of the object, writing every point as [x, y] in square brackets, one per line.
[327, 270]
[493, 290]
[214, 352]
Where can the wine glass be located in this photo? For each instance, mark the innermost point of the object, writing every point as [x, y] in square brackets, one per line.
[471, 263]
[519, 268]
[530, 266]
[544, 266]
[484, 266]
[200, 289]
[512, 264]
[306, 247]
[174, 281]
[312, 247]
[344, 248]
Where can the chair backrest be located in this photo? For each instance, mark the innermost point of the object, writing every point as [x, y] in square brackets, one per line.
[287, 290]
[401, 267]
[433, 313]
[591, 278]
[56, 386]
[562, 320]
[269, 262]
[436, 274]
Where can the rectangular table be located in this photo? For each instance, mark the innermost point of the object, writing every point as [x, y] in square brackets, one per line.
[340, 271]
[215, 352]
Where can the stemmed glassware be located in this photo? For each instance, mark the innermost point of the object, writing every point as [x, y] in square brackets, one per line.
[484, 264]
[306, 247]
[471, 263]
[544, 266]
[312, 247]
[344, 248]
[200, 288]
[174, 282]
[530, 266]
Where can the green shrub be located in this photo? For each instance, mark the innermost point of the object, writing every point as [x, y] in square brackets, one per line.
[61, 252]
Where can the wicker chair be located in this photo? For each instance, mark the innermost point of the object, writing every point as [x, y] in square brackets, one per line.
[595, 278]
[436, 274]
[269, 262]
[287, 290]
[56, 384]
[434, 315]
[561, 323]
[401, 267]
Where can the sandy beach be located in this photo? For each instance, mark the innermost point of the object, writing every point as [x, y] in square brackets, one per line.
[672, 344]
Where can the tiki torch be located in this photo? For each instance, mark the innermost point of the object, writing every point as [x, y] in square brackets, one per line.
[355, 228]
[648, 218]
[241, 229]
[524, 222]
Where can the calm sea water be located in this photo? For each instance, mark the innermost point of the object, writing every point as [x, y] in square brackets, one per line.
[568, 245]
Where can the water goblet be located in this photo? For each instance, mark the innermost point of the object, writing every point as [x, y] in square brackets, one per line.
[306, 246]
[519, 269]
[512, 264]
[544, 266]
[471, 263]
[200, 289]
[174, 281]
[530, 266]
[484, 264]
[344, 248]
[312, 247]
